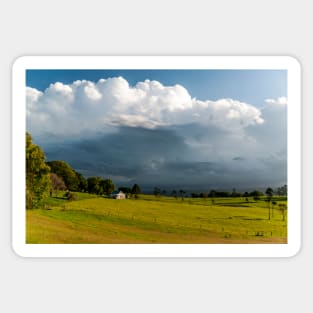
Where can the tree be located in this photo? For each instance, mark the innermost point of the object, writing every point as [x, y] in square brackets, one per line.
[136, 190]
[282, 191]
[205, 194]
[57, 183]
[38, 183]
[182, 193]
[106, 186]
[126, 190]
[174, 194]
[157, 191]
[212, 194]
[64, 170]
[269, 192]
[93, 185]
[82, 182]
[256, 193]
[234, 193]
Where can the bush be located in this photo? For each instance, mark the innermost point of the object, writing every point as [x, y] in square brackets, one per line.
[70, 196]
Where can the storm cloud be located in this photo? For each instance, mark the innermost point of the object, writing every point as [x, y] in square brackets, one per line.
[157, 135]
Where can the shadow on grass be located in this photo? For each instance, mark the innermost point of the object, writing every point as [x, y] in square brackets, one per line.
[60, 198]
[236, 204]
[254, 219]
[246, 218]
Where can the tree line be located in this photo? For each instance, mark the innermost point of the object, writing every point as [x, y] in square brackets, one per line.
[257, 194]
[63, 177]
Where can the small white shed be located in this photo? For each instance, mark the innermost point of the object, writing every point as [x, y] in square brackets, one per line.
[118, 195]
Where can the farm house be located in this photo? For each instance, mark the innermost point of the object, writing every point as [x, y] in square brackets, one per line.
[118, 195]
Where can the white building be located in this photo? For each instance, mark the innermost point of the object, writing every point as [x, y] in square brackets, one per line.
[118, 195]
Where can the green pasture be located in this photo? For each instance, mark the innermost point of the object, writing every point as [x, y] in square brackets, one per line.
[150, 219]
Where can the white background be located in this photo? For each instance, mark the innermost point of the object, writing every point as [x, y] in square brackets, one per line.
[154, 28]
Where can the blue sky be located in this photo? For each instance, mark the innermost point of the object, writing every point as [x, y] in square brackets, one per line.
[189, 129]
[251, 86]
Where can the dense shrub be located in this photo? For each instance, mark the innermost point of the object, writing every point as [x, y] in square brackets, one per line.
[70, 196]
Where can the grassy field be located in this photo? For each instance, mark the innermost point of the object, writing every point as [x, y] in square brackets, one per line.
[150, 219]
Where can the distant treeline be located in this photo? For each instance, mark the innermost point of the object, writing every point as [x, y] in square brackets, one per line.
[281, 191]
[225, 194]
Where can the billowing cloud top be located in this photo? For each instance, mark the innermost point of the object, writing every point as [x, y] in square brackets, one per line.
[155, 134]
[84, 105]
[281, 101]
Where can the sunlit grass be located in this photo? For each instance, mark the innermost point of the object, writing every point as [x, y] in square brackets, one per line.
[150, 219]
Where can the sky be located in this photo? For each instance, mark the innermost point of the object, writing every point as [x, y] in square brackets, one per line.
[172, 129]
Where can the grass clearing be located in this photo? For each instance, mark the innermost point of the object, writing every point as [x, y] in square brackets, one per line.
[150, 219]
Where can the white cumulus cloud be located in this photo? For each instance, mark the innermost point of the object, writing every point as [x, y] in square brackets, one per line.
[67, 109]
[280, 101]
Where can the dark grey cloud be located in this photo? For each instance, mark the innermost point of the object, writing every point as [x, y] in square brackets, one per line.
[185, 157]
[125, 154]
[238, 159]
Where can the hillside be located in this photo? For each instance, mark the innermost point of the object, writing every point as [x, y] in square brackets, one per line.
[150, 219]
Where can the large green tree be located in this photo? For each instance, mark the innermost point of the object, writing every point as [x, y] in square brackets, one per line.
[82, 182]
[69, 176]
[106, 186]
[94, 185]
[38, 183]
